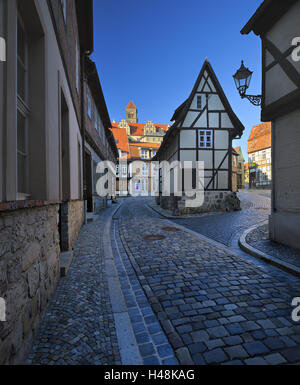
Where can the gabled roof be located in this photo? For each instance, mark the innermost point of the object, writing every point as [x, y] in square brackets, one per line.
[145, 145]
[121, 139]
[131, 105]
[182, 110]
[268, 13]
[137, 129]
[134, 152]
[260, 137]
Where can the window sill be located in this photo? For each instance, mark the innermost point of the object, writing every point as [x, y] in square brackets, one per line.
[25, 204]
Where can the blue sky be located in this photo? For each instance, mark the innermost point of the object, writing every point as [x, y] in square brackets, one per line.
[151, 51]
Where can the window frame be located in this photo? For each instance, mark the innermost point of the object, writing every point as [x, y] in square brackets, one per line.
[199, 98]
[205, 141]
[23, 109]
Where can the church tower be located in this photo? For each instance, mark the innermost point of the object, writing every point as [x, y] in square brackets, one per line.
[131, 113]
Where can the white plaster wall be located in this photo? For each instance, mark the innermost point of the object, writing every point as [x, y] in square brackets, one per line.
[214, 103]
[226, 121]
[194, 102]
[221, 139]
[55, 77]
[206, 156]
[287, 163]
[286, 28]
[278, 84]
[188, 139]
[190, 118]
[281, 35]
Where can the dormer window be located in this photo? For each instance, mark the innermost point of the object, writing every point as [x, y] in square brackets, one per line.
[199, 102]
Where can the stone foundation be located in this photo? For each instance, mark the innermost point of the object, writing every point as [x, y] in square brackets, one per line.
[29, 272]
[99, 204]
[72, 217]
[214, 201]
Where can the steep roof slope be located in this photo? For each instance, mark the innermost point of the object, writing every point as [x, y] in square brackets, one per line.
[260, 137]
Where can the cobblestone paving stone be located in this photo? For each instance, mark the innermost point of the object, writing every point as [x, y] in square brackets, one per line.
[78, 326]
[215, 308]
[259, 239]
[151, 339]
[223, 228]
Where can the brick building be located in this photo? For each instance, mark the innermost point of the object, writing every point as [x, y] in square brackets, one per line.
[240, 169]
[259, 154]
[235, 163]
[139, 143]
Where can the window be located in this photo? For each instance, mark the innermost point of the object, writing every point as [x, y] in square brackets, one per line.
[199, 102]
[145, 169]
[64, 9]
[22, 111]
[124, 169]
[205, 139]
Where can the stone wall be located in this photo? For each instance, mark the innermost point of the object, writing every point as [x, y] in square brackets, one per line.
[72, 217]
[214, 201]
[76, 217]
[99, 204]
[29, 272]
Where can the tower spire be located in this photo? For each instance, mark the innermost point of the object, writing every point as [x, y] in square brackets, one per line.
[131, 113]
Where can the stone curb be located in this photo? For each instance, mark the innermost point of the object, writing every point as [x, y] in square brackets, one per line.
[127, 343]
[287, 267]
[163, 214]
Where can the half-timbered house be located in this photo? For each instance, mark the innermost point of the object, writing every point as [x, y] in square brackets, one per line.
[277, 23]
[203, 130]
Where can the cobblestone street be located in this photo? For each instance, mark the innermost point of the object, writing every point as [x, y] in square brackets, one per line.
[189, 300]
[214, 307]
[78, 326]
[225, 228]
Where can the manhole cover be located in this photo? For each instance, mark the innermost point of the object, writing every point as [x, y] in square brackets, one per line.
[170, 229]
[154, 237]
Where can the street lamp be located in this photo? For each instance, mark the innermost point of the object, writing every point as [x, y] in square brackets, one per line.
[242, 80]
